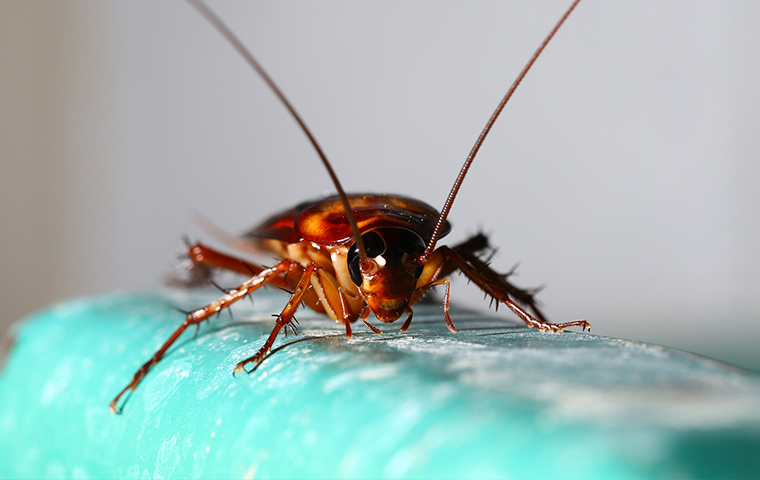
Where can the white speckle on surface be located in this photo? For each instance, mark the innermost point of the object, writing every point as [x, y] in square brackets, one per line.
[250, 474]
[221, 375]
[240, 353]
[163, 384]
[406, 459]
[58, 382]
[55, 470]
[705, 409]
[338, 381]
[440, 346]
[167, 458]
[79, 473]
[378, 373]
[187, 445]
[133, 472]
[199, 464]
[7, 424]
[224, 335]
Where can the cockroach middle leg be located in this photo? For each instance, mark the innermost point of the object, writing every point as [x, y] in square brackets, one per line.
[337, 302]
[197, 316]
[283, 319]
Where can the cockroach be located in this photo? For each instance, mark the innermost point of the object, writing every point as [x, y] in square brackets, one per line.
[351, 255]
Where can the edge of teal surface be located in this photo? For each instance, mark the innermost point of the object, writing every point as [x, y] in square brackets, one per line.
[493, 401]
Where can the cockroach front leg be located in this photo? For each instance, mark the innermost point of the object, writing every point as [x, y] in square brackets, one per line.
[194, 318]
[283, 319]
[420, 291]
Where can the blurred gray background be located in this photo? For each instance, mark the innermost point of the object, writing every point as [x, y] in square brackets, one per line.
[623, 175]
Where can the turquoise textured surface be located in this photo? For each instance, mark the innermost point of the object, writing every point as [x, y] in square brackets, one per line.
[496, 400]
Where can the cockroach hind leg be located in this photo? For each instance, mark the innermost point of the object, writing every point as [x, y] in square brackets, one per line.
[559, 327]
[188, 274]
[575, 323]
[512, 271]
[585, 326]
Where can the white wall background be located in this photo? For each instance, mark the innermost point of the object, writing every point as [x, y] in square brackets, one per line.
[624, 174]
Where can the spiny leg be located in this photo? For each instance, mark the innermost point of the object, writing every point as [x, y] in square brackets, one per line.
[484, 278]
[197, 316]
[205, 256]
[446, 260]
[472, 251]
[283, 319]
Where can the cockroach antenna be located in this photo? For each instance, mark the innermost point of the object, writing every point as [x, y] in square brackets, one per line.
[421, 259]
[209, 15]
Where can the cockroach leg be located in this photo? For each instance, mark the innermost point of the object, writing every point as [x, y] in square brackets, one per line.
[372, 327]
[435, 266]
[207, 257]
[408, 321]
[348, 329]
[364, 315]
[449, 323]
[346, 315]
[283, 319]
[497, 287]
[472, 251]
[197, 316]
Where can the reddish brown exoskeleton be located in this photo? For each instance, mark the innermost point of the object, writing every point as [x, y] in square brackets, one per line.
[352, 255]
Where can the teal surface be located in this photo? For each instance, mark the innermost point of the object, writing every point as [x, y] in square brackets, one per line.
[493, 401]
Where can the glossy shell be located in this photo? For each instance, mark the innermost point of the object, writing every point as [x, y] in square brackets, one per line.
[324, 221]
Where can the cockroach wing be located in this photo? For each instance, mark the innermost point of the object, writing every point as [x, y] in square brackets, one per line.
[325, 222]
[280, 225]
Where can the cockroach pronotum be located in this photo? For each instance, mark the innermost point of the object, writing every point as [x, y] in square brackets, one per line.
[350, 255]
